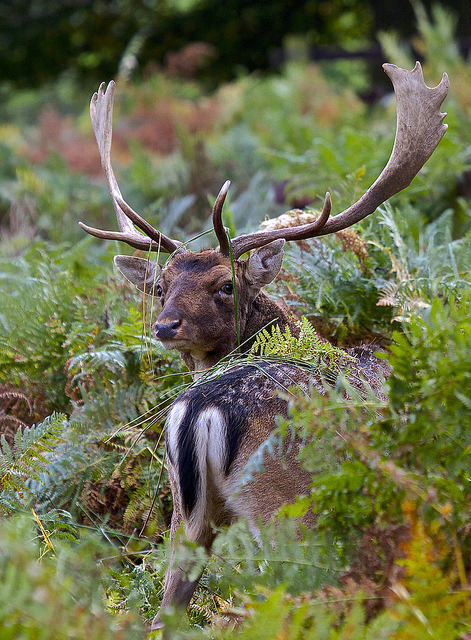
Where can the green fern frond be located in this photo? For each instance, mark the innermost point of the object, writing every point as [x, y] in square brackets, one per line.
[26, 458]
[139, 506]
[307, 346]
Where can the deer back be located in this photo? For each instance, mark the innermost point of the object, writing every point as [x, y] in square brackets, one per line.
[223, 461]
[212, 432]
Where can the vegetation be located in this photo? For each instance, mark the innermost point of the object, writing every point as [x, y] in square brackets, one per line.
[84, 388]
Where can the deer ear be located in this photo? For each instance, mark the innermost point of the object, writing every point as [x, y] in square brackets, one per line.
[142, 273]
[264, 263]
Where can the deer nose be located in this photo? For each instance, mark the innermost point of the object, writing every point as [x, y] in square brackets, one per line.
[166, 331]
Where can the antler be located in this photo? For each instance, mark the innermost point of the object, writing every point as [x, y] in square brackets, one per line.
[101, 114]
[217, 219]
[419, 129]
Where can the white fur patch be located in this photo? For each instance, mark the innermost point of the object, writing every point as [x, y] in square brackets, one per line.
[217, 439]
[210, 449]
[172, 426]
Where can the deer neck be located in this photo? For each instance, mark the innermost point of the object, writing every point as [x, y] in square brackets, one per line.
[263, 312]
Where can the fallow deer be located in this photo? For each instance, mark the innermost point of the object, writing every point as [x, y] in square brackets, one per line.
[215, 427]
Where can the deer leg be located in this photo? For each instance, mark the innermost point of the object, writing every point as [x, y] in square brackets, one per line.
[178, 588]
[178, 591]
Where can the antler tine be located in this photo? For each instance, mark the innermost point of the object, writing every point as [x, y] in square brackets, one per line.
[101, 115]
[217, 220]
[420, 128]
[135, 240]
[244, 243]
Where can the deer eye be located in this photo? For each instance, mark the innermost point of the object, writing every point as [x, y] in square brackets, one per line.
[158, 290]
[226, 289]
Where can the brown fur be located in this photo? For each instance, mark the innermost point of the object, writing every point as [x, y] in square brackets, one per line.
[198, 313]
[252, 491]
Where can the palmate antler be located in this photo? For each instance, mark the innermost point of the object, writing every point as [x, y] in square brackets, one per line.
[419, 129]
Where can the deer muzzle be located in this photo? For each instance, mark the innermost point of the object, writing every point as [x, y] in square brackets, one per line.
[166, 331]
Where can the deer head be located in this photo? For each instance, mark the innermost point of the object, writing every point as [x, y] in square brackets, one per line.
[197, 290]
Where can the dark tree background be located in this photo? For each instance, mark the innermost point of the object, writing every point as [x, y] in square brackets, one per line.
[41, 39]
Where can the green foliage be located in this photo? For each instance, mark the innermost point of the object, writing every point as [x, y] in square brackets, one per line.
[57, 290]
[51, 290]
[430, 401]
[26, 459]
[61, 595]
[431, 590]
[47, 197]
[353, 283]
[75, 340]
[334, 287]
[279, 555]
[87, 355]
[306, 346]
[436, 39]
[427, 603]
[425, 261]
[440, 52]
[417, 448]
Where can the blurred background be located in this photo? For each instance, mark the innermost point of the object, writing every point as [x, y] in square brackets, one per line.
[95, 39]
[192, 76]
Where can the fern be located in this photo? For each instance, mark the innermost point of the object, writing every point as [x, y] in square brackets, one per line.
[408, 263]
[279, 556]
[435, 40]
[425, 262]
[62, 595]
[307, 346]
[26, 459]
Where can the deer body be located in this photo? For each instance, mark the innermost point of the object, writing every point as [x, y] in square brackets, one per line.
[211, 434]
[214, 428]
[218, 467]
